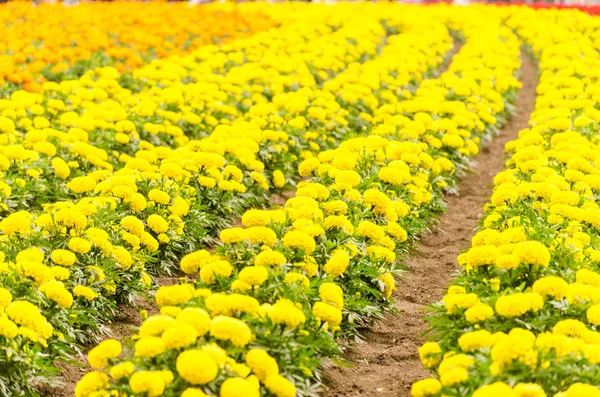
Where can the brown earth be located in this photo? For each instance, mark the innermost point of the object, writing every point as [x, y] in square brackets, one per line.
[386, 362]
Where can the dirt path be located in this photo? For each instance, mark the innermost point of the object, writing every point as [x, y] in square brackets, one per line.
[386, 363]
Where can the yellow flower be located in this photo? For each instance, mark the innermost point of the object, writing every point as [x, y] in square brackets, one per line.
[56, 291]
[85, 292]
[149, 346]
[236, 387]
[261, 363]
[160, 197]
[426, 387]
[196, 367]
[280, 386]
[90, 383]
[230, 329]
[147, 382]
[122, 370]
[157, 223]
[63, 257]
[98, 357]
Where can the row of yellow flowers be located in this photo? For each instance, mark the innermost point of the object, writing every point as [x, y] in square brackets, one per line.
[55, 42]
[102, 183]
[522, 317]
[259, 314]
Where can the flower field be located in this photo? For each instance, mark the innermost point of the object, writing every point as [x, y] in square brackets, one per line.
[260, 173]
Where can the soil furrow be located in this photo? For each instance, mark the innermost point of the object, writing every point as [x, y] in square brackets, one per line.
[386, 362]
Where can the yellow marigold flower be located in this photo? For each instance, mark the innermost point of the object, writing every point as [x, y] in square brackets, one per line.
[348, 177]
[278, 179]
[391, 176]
[254, 275]
[193, 392]
[533, 253]
[196, 367]
[180, 335]
[230, 329]
[82, 184]
[156, 325]
[197, 318]
[98, 357]
[158, 196]
[61, 168]
[336, 207]
[454, 302]
[122, 370]
[180, 206]
[191, 263]
[280, 386]
[332, 293]
[430, 354]
[56, 291]
[593, 314]
[475, 340]
[90, 383]
[381, 253]
[396, 231]
[482, 255]
[171, 311]
[18, 222]
[284, 311]
[261, 363]
[5, 298]
[325, 312]
[147, 382]
[149, 346]
[219, 268]
[37, 271]
[518, 304]
[122, 256]
[426, 387]
[85, 292]
[370, 230]
[293, 277]
[338, 262]
[299, 240]
[528, 390]
[136, 202]
[308, 166]
[582, 389]
[479, 312]
[495, 389]
[71, 217]
[8, 329]
[63, 257]
[174, 295]
[237, 387]
[262, 235]
[389, 284]
[157, 223]
[552, 286]
[32, 254]
[270, 258]
[80, 245]
[454, 376]
[507, 261]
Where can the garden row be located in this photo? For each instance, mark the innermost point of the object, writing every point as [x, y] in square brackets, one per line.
[522, 317]
[54, 42]
[258, 314]
[111, 178]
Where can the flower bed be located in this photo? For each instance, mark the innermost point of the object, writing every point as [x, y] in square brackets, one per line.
[259, 314]
[521, 318]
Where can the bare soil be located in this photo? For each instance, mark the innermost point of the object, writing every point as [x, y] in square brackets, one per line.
[386, 362]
